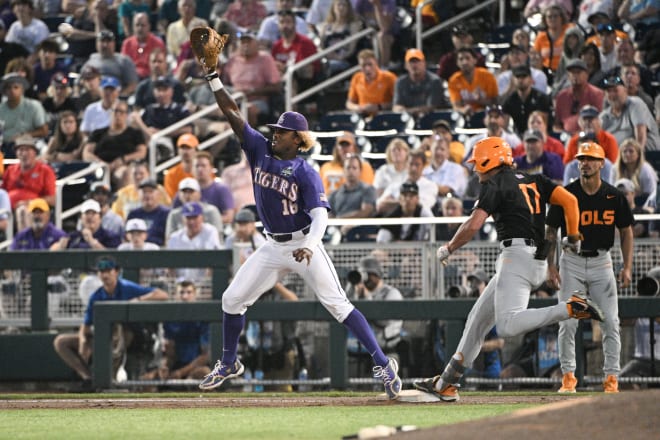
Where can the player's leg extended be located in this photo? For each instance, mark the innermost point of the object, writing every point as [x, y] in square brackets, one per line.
[603, 291]
[573, 274]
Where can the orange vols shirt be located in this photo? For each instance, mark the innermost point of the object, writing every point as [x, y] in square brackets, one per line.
[378, 91]
[332, 175]
[542, 45]
[172, 178]
[604, 139]
[483, 85]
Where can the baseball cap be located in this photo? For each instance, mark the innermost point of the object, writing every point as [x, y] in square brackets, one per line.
[532, 135]
[370, 265]
[192, 209]
[612, 81]
[589, 111]
[110, 81]
[597, 14]
[105, 35]
[106, 263]
[90, 205]
[494, 109]
[38, 204]
[88, 72]
[293, 121]
[522, 70]
[479, 274]
[590, 149]
[136, 224]
[245, 216]
[605, 28]
[163, 81]
[576, 63]
[189, 183]
[246, 34]
[347, 136]
[409, 187]
[441, 123]
[414, 54]
[189, 140]
[59, 79]
[625, 184]
[14, 78]
[148, 183]
[26, 140]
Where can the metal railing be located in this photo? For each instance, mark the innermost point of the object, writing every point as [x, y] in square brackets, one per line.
[75, 178]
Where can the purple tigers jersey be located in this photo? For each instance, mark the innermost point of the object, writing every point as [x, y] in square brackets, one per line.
[284, 190]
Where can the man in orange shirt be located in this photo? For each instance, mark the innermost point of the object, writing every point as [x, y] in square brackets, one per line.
[332, 173]
[372, 89]
[187, 145]
[590, 124]
[472, 88]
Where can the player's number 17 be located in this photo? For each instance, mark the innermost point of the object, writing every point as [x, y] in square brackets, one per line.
[534, 205]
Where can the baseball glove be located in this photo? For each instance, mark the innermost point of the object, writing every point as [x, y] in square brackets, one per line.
[206, 45]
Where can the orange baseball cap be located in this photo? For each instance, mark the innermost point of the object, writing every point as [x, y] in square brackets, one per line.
[590, 149]
[414, 53]
[38, 204]
[187, 139]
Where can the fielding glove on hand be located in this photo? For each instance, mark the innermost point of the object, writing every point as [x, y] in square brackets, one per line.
[443, 254]
[572, 243]
[207, 45]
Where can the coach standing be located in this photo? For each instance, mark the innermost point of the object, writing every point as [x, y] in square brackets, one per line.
[602, 208]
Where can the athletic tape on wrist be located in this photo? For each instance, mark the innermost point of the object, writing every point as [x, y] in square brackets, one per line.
[216, 84]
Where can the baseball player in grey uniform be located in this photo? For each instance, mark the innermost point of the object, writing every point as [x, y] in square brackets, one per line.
[603, 208]
[293, 208]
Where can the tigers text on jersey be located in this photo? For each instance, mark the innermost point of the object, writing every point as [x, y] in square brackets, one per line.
[284, 190]
[599, 214]
[517, 202]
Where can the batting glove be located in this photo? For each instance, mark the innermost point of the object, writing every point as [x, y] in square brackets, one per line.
[572, 243]
[443, 254]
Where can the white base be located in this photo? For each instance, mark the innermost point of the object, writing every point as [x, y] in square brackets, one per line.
[415, 396]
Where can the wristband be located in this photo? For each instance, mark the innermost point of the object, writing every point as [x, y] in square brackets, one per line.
[214, 81]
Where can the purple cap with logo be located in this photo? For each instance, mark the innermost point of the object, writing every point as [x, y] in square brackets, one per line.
[192, 209]
[293, 121]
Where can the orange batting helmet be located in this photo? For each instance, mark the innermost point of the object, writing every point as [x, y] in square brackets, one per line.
[590, 149]
[490, 153]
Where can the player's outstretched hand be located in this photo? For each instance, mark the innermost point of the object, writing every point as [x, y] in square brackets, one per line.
[303, 254]
[443, 254]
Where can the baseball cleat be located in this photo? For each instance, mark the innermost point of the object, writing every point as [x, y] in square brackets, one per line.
[448, 393]
[611, 384]
[568, 383]
[220, 373]
[581, 307]
[390, 377]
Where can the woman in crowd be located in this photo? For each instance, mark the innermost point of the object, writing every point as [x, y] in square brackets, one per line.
[66, 143]
[340, 23]
[396, 168]
[550, 41]
[632, 165]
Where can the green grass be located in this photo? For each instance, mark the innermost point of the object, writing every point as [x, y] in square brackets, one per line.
[326, 422]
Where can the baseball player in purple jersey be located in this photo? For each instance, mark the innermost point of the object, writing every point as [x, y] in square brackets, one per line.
[293, 207]
[517, 203]
[603, 209]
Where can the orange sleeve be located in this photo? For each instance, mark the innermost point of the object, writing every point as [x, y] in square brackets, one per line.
[367, 175]
[610, 146]
[454, 90]
[571, 150]
[567, 201]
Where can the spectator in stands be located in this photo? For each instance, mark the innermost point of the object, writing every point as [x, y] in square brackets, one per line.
[550, 41]
[239, 179]
[141, 44]
[641, 229]
[213, 192]
[572, 171]
[152, 212]
[269, 31]
[591, 57]
[293, 47]
[570, 100]
[92, 235]
[632, 80]
[427, 191]
[472, 88]
[641, 14]
[185, 344]
[524, 99]
[58, 99]
[41, 234]
[371, 89]
[158, 67]
[317, 13]
[66, 144]
[590, 125]
[27, 30]
[353, 199]
[128, 196]
[88, 88]
[9, 50]
[450, 177]
[75, 349]
[593, 12]
[461, 38]
[395, 170]
[518, 57]
[419, 91]
[628, 117]
[244, 231]
[442, 128]
[521, 38]
[449, 207]
[113, 64]
[136, 234]
[126, 12]
[23, 67]
[255, 73]
[178, 32]
[187, 146]
[380, 15]
[110, 220]
[22, 116]
[28, 179]
[190, 191]
[408, 205]
[340, 23]
[87, 21]
[626, 56]
[496, 125]
[116, 145]
[47, 66]
[539, 6]
[245, 14]
[194, 235]
[332, 173]
[632, 165]
[573, 44]
[537, 161]
[98, 114]
[608, 46]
